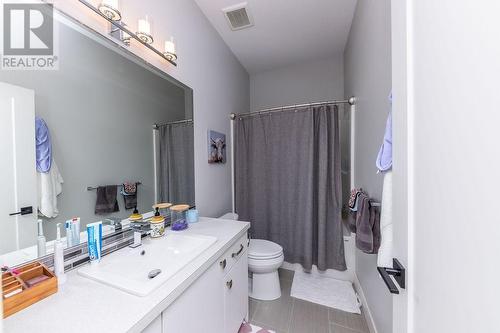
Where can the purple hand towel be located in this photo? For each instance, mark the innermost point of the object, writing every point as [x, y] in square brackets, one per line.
[384, 158]
[43, 146]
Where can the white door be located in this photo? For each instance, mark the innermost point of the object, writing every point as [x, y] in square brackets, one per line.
[446, 71]
[17, 169]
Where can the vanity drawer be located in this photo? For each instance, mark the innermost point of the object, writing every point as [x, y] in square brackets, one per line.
[235, 252]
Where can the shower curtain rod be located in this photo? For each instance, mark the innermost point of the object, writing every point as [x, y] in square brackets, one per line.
[156, 126]
[351, 101]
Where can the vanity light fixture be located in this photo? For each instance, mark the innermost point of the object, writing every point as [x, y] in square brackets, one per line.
[125, 38]
[120, 34]
[170, 50]
[144, 31]
[110, 9]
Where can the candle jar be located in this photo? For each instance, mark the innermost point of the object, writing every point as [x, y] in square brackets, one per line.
[178, 213]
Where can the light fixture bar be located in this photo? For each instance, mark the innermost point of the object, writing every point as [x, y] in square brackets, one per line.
[118, 25]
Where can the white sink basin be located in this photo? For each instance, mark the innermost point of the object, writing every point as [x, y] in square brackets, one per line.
[129, 269]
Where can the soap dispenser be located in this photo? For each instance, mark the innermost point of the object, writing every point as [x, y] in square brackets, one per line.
[157, 225]
[135, 215]
[59, 257]
[41, 241]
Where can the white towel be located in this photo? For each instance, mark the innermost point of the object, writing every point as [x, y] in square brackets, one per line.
[49, 187]
[384, 258]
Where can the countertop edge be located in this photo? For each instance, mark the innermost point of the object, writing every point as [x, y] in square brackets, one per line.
[141, 311]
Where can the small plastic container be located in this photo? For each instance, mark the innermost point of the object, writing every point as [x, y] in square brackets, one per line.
[192, 216]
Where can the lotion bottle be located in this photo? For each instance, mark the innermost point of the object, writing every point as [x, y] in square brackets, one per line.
[41, 241]
[59, 257]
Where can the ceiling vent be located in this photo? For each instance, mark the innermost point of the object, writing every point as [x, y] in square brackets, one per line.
[238, 17]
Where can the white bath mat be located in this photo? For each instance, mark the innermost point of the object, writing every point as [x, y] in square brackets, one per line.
[250, 328]
[326, 291]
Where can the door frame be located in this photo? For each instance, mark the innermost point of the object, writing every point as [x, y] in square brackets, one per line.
[403, 158]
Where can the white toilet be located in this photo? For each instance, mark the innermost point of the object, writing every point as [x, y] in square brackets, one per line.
[264, 259]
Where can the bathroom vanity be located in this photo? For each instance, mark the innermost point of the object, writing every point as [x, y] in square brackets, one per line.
[209, 294]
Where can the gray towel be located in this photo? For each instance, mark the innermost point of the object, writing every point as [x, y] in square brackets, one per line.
[351, 221]
[367, 226]
[375, 222]
[129, 192]
[106, 200]
[364, 231]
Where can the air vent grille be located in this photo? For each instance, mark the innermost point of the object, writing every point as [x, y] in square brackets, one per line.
[238, 17]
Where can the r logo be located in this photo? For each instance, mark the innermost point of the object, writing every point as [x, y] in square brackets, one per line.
[28, 29]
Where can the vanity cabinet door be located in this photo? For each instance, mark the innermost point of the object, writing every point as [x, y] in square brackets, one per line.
[236, 295]
[200, 308]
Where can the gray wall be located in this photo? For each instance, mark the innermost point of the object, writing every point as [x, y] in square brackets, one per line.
[367, 61]
[100, 108]
[301, 83]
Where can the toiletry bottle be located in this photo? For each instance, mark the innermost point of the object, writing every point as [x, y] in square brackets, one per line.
[41, 241]
[69, 234]
[94, 241]
[75, 231]
[59, 257]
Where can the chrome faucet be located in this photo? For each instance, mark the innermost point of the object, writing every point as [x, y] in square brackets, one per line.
[139, 229]
[114, 222]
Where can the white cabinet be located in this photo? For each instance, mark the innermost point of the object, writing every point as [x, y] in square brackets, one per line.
[199, 309]
[217, 301]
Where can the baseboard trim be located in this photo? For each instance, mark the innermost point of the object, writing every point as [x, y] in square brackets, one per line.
[366, 309]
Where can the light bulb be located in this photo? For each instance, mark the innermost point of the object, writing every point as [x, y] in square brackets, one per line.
[144, 31]
[170, 50]
[110, 9]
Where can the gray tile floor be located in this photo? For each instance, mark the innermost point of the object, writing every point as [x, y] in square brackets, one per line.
[292, 315]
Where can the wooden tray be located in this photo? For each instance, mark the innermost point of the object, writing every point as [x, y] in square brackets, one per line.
[27, 295]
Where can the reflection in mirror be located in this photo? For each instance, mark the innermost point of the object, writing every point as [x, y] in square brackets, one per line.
[113, 133]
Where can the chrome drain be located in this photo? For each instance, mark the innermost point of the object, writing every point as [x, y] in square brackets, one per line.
[154, 273]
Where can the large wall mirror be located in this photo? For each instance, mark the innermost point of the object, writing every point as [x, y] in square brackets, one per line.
[109, 118]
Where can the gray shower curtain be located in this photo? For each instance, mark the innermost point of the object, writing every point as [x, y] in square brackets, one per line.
[176, 171]
[288, 183]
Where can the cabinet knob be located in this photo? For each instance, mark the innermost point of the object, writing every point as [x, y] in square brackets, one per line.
[223, 264]
[229, 284]
[235, 254]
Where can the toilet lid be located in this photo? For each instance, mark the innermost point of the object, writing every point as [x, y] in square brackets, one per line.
[260, 248]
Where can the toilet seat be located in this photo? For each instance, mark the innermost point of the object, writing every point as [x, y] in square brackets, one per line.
[261, 249]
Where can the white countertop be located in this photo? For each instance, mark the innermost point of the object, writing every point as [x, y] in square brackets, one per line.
[83, 305]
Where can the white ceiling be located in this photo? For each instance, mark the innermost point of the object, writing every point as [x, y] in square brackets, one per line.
[286, 32]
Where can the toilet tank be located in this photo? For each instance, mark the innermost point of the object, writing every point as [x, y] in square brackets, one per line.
[230, 216]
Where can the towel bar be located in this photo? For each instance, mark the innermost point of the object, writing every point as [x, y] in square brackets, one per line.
[93, 188]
